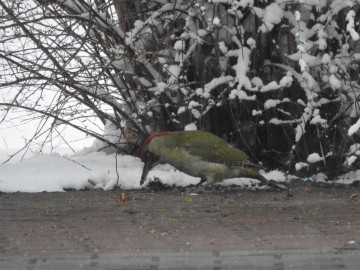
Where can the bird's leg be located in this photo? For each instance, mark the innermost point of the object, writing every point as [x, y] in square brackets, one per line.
[202, 180]
[198, 188]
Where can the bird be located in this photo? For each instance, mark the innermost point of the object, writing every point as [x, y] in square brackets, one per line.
[200, 154]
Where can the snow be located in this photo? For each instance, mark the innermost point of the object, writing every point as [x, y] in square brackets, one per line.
[317, 119]
[334, 82]
[240, 68]
[351, 24]
[286, 81]
[196, 113]
[350, 160]
[319, 177]
[174, 72]
[223, 47]
[214, 83]
[301, 102]
[271, 103]
[276, 121]
[355, 148]
[193, 104]
[326, 58]
[314, 157]
[241, 95]
[349, 177]
[237, 4]
[251, 42]
[216, 21]
[322, 39]
[202, 32]
[179, 45]
[257, 82]
[89, 168]
[303, 65]
[111, 133]
[300, 128]
[191, 126]
[276, 175]
[301, 165]
[56, 173]
[161, 86]
[309, 60]
[181, 110]
[255, 112]
[354, 128]
[272, 15]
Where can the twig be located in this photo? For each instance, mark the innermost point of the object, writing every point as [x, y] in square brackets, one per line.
[76, 163]
[116, 169]
[321, 147]
[5, 142]
[92, 182]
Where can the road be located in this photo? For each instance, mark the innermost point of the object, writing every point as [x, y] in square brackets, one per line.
[224, 228]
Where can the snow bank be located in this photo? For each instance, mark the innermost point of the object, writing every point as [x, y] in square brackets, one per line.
[53, 172]
[56, 173]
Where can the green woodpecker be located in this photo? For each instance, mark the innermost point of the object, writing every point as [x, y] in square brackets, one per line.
[200, 154]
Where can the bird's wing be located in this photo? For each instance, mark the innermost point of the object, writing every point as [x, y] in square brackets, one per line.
[213, 149]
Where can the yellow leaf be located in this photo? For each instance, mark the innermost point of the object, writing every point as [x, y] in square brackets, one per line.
[189, 200]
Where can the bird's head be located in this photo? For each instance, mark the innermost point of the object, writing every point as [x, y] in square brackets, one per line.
[150, 159]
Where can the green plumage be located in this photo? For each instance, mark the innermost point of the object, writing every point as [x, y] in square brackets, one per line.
[207, 146]
[201, 154]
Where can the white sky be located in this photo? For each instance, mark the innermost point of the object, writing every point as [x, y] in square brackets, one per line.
[14, 135]
[18, 127]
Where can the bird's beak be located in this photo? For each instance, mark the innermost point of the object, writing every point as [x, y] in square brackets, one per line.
[150, 162]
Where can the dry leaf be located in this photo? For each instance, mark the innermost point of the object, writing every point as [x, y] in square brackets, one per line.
[122, 199]
[173, 220]
[188, 200]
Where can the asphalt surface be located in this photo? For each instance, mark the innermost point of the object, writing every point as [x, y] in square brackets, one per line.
[226, 228]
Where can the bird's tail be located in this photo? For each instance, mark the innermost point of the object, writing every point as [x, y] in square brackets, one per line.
[250, 171]
[270, 183]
